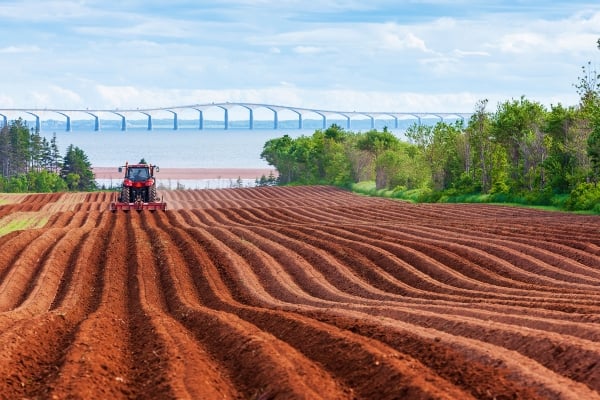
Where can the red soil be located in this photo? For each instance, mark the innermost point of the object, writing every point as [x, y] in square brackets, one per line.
[305, 292]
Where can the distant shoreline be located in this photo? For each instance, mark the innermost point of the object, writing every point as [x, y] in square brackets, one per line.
[192, 173]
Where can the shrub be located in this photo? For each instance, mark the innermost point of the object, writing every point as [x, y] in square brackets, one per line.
[585, 196]
[539, 197]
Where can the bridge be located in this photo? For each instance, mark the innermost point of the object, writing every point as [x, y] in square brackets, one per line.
[298, 114]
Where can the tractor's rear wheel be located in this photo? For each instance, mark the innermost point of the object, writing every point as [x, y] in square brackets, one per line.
[125, 195]
[152, 194]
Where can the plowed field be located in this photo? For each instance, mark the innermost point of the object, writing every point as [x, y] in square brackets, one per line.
[305, 292]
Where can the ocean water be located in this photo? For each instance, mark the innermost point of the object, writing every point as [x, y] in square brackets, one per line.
[168, 148]
[183, 148]
[186, 147]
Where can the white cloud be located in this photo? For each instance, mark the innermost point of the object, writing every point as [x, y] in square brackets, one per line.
[392, 36]
[19, 49]
[521, 42]
[48, 10]
[67, 95]
[148, 27]
[308, 50]
[127, 54]
[467, 53]
[54, 96]
[125, 97]
[7, 101]
[395, 41]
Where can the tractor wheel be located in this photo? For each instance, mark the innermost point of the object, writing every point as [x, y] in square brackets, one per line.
[125, 195]
[152, 196]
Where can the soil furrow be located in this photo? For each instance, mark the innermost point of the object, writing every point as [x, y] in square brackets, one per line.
[99, 362]
[296, 292]
[322, 344]
[19, 280]
[31, 364]
[257, 351]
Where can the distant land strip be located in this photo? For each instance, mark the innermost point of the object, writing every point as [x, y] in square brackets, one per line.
[192, 173]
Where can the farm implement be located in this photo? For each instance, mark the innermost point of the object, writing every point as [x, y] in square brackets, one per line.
[138, 191]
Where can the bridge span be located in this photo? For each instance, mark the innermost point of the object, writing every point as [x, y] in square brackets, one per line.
[297, 114]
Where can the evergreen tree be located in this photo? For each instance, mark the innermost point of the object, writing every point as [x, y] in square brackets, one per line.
[15, 149]
[77, 170]
[55, 157]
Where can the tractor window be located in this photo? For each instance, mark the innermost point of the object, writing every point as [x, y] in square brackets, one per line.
[138, 174]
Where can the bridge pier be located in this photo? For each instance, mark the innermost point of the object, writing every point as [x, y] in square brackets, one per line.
[149, 127]
[200, 119]
[123, 121]
[324, 118]
[299, 118]
[225, 117]
[37, 120]
[68, 127]
[96, 121]
[175, 122]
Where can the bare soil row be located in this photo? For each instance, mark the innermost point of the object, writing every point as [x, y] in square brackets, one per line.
[299, 292]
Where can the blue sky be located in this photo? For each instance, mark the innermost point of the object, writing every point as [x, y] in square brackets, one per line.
[376, 55]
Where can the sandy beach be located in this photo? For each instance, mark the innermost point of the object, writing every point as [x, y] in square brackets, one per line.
[192, 173]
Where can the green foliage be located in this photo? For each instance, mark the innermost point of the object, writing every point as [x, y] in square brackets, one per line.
[522, 154]
[586, 196]
[377, 142]
[588, 85]
[29, 163]
[278, 152]
[593, 142]
[438, 146]
[17, 184]
[561, 161]
[24, 221]
[45, 182]
[72, 180]
[317, 159]
[466, 183]
[337, 157]
[517, 128]
[270, 180]
[77, 170]
[478, 146]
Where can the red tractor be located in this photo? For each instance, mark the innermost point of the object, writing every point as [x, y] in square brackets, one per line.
[139, 189]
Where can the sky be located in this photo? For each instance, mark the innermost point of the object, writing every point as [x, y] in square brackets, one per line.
[347, 55]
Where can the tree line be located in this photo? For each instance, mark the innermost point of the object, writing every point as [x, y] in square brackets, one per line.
[521, 151]
[31, 163]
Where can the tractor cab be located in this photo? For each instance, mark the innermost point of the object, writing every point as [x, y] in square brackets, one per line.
[138, 191]
[138, 173]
